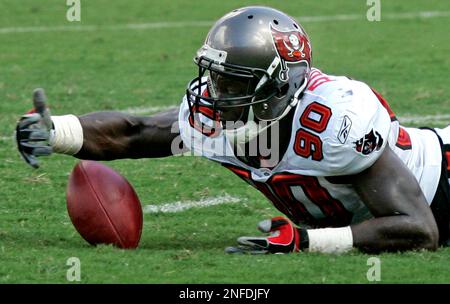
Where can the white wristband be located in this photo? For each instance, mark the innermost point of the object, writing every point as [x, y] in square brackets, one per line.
[67, 136]
[330, 240]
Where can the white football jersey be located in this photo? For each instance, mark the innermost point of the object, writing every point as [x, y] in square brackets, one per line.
[340, 127]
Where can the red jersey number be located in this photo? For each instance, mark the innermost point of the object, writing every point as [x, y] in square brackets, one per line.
[314, 118]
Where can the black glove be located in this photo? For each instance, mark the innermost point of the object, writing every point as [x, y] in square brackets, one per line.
[33, 131]
[284, 238]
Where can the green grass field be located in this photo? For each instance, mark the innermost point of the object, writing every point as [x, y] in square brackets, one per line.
[101, 64]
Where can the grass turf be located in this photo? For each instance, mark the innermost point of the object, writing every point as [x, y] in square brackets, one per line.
[82, 71]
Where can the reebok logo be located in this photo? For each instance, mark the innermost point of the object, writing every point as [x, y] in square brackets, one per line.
[344, 131]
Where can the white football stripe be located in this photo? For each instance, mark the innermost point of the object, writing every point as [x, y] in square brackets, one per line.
[185, 205]
[440, 118]
[146, 110]
[5, 138]
[187, 24]
[384, 16]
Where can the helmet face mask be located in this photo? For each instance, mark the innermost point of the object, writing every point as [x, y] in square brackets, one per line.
[230, 89]
[223, 86]
[254, 65]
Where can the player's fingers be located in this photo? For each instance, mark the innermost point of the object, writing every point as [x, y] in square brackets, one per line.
[23, 134]
[233, 250]
[26, 147]
[34, 149]
[244, 250]
[39, 135]
[32, 135]
[42, 151]
[39, 102]
[30, 159]
[253, 241]
[270, 225]
[265, 225]
[28, 120]
[278, 222]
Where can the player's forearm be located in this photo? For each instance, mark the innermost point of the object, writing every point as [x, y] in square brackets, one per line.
[390, 233]
[115, 135]
[393, 233]
[402, 219]
[106, 135]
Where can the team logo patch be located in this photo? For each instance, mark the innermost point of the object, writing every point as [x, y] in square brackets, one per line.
[344, 131]
[372, 141]
[292, 47]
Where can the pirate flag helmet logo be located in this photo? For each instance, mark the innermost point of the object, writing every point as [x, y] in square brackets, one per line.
[293, 47]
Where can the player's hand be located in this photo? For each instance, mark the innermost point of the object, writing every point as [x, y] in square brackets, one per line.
[283, 237]
[33, 131]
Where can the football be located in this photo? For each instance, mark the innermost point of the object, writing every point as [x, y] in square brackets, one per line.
[103, 206]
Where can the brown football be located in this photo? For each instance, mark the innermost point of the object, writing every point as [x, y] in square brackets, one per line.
[103, 206]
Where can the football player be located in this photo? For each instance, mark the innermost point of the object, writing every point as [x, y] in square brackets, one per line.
[339, 165]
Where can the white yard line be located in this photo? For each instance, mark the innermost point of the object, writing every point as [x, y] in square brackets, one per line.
[384, 16]
[185, 24]
[146, 110]
[185, 205]
[406, 119]
[6, 138]
[92, 28]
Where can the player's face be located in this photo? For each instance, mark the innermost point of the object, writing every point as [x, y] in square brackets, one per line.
[226, 87]
[229, 87]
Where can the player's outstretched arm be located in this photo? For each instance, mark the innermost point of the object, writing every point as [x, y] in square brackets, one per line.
[96, 136]
[115, 135]
[402, 218]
